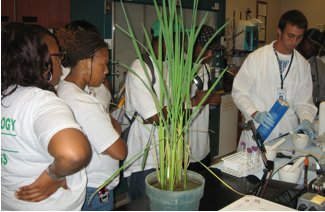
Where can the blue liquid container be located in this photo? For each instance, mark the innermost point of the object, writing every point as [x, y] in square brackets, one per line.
[279, 108]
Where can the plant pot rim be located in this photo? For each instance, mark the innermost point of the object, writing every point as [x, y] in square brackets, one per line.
[200, 181]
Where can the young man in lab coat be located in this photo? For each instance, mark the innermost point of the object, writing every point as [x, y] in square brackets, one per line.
[309, 49]
[199, 134]
[274, 71]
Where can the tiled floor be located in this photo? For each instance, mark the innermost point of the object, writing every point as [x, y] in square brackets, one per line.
[121, 199]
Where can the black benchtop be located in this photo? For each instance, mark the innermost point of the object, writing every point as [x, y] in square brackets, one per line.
[216, 195]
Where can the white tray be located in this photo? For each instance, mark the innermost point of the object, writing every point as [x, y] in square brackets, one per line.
[253, 203]
[238, 165]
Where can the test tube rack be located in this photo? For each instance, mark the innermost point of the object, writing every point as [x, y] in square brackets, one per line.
[239, 166]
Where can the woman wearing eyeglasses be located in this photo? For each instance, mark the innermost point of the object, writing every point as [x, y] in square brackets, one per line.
[87, 55]
[43, 149]
[56, 55]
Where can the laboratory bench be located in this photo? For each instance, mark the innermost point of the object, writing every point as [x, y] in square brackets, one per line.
[217, 195]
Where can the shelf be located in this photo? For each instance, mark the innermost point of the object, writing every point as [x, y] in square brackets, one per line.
[240, 51]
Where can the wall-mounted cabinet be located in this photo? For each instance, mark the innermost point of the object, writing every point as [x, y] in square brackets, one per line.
[47, 13]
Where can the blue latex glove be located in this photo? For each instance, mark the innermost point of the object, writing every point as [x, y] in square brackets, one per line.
[265, 119]
[306, 126]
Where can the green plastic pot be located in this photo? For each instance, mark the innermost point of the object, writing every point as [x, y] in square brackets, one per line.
[161, 200]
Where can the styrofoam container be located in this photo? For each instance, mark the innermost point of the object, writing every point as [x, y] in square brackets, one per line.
[301, 142]
[271, 154]
[290, 177]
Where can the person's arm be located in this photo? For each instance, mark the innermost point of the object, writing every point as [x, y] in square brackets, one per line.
[253, 115]
[305, 108]
[199, 95]
[118, 150]
[155, 118]
[71, 151]
[243, 87]
[116, 125]
[321, 90]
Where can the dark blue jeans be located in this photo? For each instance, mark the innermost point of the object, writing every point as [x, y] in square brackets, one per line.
[137, 185]
[94, 204]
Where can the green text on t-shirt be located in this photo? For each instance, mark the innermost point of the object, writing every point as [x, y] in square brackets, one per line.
[8, 124]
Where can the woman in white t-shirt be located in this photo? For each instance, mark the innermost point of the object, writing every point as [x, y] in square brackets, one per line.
[43, 149]
[87, 55]
[103, 92]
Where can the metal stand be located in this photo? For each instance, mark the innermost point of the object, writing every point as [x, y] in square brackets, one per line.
[269, 165]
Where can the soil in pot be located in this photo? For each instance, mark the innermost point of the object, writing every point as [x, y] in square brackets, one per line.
[190, 185]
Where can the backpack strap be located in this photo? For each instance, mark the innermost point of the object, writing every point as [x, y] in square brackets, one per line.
[133, 117]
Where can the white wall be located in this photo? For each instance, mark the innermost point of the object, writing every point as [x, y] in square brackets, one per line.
[273, 14]
[314, 10]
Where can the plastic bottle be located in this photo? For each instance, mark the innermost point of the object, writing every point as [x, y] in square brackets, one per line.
[279, 108]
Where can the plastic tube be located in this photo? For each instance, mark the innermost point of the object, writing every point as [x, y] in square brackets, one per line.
[277, 144]
[255, 154]
[243, 145]
[279, 108]
[249, 155]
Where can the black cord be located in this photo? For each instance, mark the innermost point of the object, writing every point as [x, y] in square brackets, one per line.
[322, 171]
[286, 164]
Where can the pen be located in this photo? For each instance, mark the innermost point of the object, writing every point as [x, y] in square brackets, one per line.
[306, 172]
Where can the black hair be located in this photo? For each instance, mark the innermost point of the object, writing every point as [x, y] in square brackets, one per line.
[43, 32]
[294, 18]
[24, 59]
[81, 25]
[78, 45]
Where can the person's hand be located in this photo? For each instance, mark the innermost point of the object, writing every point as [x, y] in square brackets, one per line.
[306, 126]
[41, 189]
[265, 119]
[199, 95]
[215, 99]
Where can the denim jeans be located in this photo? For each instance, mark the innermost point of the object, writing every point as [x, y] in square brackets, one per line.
[137, 185]
[94, 204]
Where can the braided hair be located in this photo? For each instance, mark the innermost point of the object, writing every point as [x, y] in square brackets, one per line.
[78, 45]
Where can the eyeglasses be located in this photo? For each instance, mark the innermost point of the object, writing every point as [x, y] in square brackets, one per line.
[60, 55]
[48, 75]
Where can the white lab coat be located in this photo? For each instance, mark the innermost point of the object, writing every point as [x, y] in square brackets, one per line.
[255, 89]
